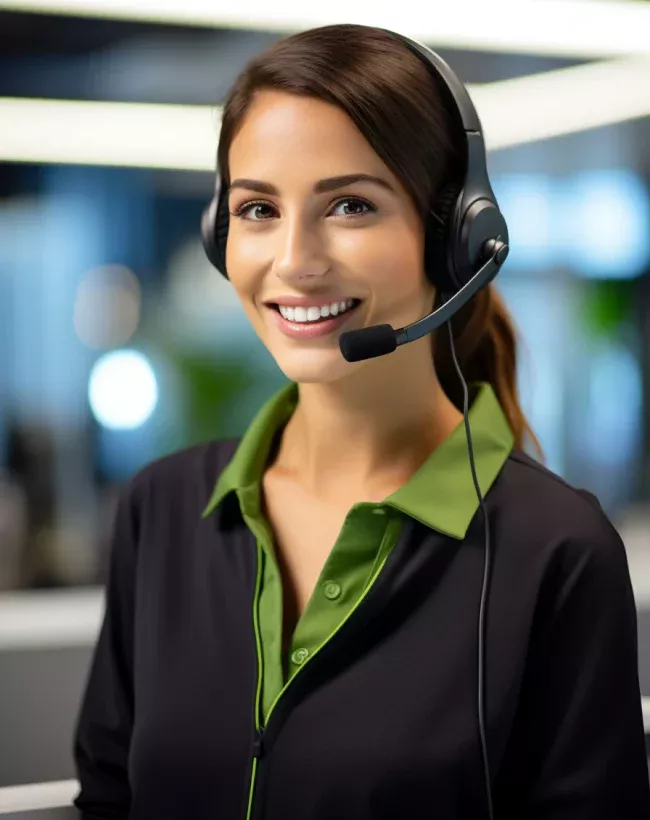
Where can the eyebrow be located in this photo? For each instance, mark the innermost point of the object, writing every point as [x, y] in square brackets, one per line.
[322, 186]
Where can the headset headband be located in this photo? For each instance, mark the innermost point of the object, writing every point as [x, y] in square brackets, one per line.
[468, 114]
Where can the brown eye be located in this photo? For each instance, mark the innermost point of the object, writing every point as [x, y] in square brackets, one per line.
[259, 211]
[354, 207]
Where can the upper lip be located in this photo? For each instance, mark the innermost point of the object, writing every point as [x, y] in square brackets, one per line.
[307, 301]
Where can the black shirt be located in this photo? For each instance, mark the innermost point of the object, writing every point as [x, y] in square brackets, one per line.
[382, 723]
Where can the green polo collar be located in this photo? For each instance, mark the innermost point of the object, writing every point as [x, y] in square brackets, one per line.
[440, 494]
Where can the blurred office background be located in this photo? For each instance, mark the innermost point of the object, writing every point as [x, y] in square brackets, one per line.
[119, 343]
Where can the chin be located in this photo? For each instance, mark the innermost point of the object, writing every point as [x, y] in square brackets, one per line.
[316, 366]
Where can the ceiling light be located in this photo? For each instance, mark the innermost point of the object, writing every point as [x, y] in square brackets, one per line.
[108, 133]
[557, 28]
[513, 112]
[541, 106]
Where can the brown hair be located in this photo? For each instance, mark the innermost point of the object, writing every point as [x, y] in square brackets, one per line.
[405, 114]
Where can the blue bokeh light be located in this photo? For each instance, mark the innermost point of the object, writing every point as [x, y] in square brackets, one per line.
[595, 224]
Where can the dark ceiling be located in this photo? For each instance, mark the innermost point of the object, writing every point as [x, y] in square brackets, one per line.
[27, 35]
[32, 42]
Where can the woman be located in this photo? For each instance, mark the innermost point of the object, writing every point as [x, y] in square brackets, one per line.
[291, 618]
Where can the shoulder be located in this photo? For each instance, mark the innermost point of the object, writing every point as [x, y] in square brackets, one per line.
[182, 479]
[554, 522]
[563, 558]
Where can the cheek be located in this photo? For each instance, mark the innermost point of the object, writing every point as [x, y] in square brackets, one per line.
[243, 252]
[244, 265]
[391, 261]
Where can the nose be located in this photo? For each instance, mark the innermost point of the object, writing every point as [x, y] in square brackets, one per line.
[300, 252]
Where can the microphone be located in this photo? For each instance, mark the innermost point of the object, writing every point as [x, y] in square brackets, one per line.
[378, 340]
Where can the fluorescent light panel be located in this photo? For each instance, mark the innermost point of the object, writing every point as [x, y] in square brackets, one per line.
[590, 29]
[513, 112]
[555, 103]
[108, 133]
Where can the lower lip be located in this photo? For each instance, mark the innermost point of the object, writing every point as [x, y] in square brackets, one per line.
[309, 330]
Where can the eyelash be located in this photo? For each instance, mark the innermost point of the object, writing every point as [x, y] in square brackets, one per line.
[238, 213]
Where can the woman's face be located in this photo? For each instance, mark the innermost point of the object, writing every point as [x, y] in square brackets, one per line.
[294, 236]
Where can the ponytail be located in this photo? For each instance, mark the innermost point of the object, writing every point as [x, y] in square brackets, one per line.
[485, 341]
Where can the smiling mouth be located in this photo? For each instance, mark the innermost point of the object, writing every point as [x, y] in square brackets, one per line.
[355, 304]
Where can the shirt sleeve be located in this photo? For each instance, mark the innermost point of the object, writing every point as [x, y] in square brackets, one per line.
[105, 720]
[577, 751]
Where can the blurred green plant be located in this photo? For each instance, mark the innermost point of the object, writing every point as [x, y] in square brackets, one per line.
[212, 388]
[608, 305]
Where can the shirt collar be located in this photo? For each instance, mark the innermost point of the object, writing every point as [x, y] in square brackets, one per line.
[440, 494]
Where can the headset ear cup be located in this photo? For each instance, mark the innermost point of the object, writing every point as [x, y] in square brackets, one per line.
[482, 224]
[222, 224]
[438, 237]
[214, 228]
[208, 233]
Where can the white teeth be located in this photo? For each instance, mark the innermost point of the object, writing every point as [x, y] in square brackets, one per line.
[313, 313]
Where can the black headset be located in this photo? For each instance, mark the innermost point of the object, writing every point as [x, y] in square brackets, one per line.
[459, 232]
[466, 243]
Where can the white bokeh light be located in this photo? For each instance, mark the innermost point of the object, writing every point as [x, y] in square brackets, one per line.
[122, 390]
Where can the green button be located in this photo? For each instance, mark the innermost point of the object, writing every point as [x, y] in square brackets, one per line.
[379, 511]
[300, 656]
[332, 590]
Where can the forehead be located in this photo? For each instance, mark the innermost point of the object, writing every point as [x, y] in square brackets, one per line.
[284, 131]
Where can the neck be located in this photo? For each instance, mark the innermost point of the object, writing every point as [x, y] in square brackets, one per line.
[370, 432]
